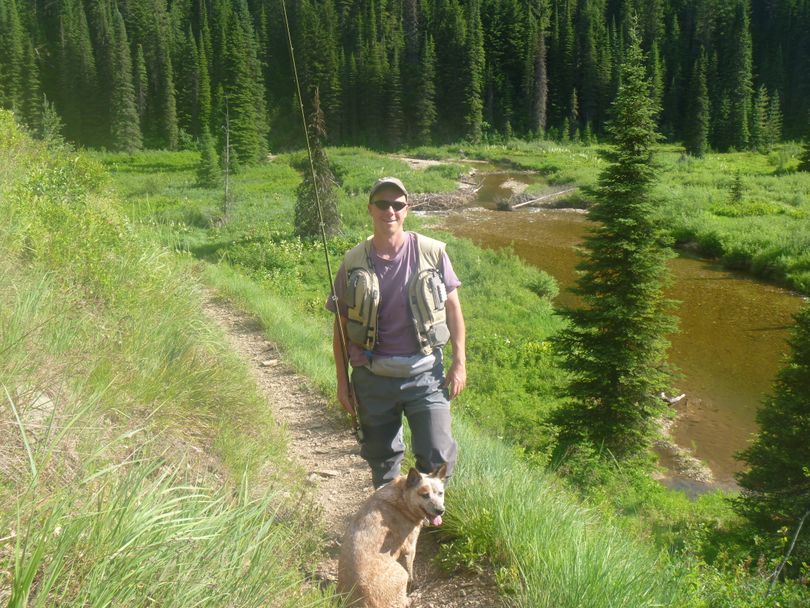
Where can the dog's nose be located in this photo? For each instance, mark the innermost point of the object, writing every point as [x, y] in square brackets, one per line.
[440, 511]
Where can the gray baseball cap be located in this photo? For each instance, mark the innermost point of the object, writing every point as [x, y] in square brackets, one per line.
[384, 182]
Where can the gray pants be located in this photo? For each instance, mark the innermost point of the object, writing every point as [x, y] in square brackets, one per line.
[383, 400]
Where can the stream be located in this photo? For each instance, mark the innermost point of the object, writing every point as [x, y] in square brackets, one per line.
[733, 328]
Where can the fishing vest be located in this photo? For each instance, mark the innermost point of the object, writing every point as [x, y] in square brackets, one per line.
[426, 296]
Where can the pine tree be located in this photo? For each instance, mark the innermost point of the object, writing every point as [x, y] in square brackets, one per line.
[776, 485]
[99, 103]
[77, 74]
[125, 130]
[209, 172]
[573, 115]
[587, 134]
[31, 102]
[737, 191]
[141, 85]
[449, 28]
[740, 85]
[243, 89]
[656, 72]
[166, 99]
[697, 129]
[588, 83]
[411, 65]
[204, 118]
[350, 102]
[426, 95]
[394, 118]
[307, 213]
[188, 84]
[774, 120]
[474, 105]
[804, 159]
[319, 58]
[566, 66]
[615, 347]
[760, 139]
[11, 55]
[540, 80]
[52, 128]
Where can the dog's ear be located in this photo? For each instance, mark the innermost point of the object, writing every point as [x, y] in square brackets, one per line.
[414, 477]
[440, 473]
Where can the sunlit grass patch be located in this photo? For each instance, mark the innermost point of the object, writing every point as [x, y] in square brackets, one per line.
[547, 550]
[136, 531]
[138, 462]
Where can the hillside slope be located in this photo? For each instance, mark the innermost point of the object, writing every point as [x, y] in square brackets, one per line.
[138, 464]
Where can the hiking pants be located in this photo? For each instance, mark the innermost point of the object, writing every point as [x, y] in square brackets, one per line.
[383, 400]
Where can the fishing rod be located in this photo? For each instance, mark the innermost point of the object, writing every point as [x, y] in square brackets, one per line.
[354, 413]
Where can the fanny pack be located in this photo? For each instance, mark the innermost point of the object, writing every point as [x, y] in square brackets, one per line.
[401, 367]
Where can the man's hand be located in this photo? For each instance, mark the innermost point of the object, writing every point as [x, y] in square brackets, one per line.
[456, 379]
[457, 376]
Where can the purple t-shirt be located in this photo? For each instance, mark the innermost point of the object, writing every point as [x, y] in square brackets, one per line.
[395, 332]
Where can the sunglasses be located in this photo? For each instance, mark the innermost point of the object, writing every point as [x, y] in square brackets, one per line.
[395, 205]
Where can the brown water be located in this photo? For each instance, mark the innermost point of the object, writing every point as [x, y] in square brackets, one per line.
[732, 328]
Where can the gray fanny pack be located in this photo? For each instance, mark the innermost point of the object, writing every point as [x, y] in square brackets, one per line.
[401, 367]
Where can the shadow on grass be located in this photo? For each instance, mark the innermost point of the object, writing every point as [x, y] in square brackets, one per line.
[212, 251]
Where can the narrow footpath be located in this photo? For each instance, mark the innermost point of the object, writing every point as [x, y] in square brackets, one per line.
[322, 444]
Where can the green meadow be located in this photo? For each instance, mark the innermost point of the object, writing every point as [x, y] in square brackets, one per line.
[256, 260]
[764, 231]
[113, 384]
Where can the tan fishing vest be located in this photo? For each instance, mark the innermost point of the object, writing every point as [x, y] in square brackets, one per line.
[426, 296]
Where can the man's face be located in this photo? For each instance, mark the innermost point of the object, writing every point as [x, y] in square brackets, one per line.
[388, 221]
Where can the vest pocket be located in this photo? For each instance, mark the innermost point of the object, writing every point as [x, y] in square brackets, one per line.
[362, 301]
[427, 297]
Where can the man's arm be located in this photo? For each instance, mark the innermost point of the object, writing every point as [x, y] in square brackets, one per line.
[457, 376]
[340, 352]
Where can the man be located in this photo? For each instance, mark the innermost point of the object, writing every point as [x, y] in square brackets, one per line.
[398, 301]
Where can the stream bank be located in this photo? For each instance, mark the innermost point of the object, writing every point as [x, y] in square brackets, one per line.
[731, 341]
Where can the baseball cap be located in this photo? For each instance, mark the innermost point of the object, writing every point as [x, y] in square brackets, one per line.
[384, 182]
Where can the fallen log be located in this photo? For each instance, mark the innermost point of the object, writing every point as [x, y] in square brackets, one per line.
[672, 400]
[544, 197]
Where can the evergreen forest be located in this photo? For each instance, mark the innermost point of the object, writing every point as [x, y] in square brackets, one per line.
[126, 74]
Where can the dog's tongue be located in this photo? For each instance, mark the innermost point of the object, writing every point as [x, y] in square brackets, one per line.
[436, 521]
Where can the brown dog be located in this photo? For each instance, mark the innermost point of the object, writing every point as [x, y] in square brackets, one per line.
[376, 557]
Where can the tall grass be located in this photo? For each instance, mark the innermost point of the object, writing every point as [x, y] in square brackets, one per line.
[257, 261]
[138, 464]
[137, 533]
[552, 552]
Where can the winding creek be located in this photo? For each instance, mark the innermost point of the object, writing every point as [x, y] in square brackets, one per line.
[732, 335]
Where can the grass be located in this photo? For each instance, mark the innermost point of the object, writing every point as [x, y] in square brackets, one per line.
[550, 550]
[138, 464]
[255, 259]
[257, 262]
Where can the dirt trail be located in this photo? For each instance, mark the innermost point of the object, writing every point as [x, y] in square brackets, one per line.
[323, 445]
